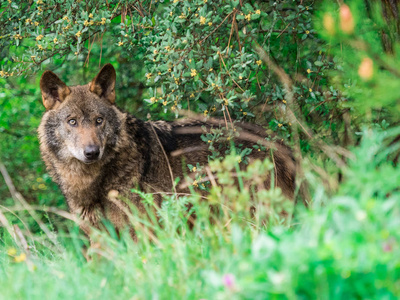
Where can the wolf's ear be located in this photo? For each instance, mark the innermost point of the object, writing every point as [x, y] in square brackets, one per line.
[53, 90]
[104, 83]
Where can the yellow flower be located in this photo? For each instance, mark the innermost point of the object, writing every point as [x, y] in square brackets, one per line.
[55, 41]
[202, 20]
[290, 124]
[211, 69]
[155, 51]
[40, 47]
[171, 13]
[213, 109]
[103, 21]
[284, 101]
[169, 70]
[209, 141]
[159, 73]
[245, 113]
[86, 23]
[308, 71]
[36, 23]
[173, 108]
[165, 103]
[240, 77]
[91, 23]
[148, 75]
[176, 1]
[20, 258]
[194, 169]
[65, 18]
[28, 21]
[191, 95]
[310, 90]
[258, 12]
[78, 34]
[182, 16]
[195, 183]
[239, 160]
[193, 72]
[248, 17]
[120, 43]
[205, 1]
[307, 31]
[167, 48]
[90, 15]
[12, 251]
[205, 112]
[209, 23]
[39, 37]
[39, 1]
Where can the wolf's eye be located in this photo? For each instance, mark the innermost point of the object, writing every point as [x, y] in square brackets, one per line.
[72, 122]
[99, 120]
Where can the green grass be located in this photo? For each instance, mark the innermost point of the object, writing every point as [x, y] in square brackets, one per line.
[345, 247]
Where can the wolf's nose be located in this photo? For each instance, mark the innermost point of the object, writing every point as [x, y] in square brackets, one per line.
[92, 152]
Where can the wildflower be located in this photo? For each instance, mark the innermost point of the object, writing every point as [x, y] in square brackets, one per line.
[12, 251]
[284, 101]
[55, 41]
[182, 16]
[193, 72]
[39, 37]
[308, 71]
[155, 51]
[90, 15]
[120, 43]
[290, 124]
[171, 13]
[209, 23]
[36, 23]
[329, 24]
[39, 1]
[191, 95]
[280, 125]
[307, 31]
[169, 70]
[65, 18]
[86, 23]
[245, 113]
[209, 141]
[20, 258]
[205, 112]
[153, 99]
[239, 160]
[346, 19]
[40, 47]
[78, 34]
[91, 23]
[167, 48]
[259, 62]
[248, 17]
[310, 90]
[148, 75]
[202, 20]
[229, 281]
[28, 21]
[159, 73]
[103, 21]
[205, 1]
[366, 68]
[173, 108]
[213, 108]
[194, 169]
[195, 183]
[165, 103]
[211, 69]
[258, 12]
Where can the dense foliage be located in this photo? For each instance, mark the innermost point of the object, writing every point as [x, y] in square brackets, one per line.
[322, 76]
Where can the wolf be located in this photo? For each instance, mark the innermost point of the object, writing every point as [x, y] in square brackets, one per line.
[94, 151]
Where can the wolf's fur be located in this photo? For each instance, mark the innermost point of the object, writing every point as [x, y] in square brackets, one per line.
[127, 153]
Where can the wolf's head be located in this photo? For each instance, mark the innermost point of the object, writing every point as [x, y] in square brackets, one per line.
[80, 121]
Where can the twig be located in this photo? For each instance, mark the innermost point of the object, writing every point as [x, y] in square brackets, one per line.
[166, 157]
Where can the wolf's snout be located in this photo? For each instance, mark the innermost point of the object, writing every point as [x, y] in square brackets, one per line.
[92, 152]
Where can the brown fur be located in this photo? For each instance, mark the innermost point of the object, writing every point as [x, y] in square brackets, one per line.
[94, 151]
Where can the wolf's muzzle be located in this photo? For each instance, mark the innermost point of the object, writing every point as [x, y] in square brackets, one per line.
[92, 152]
